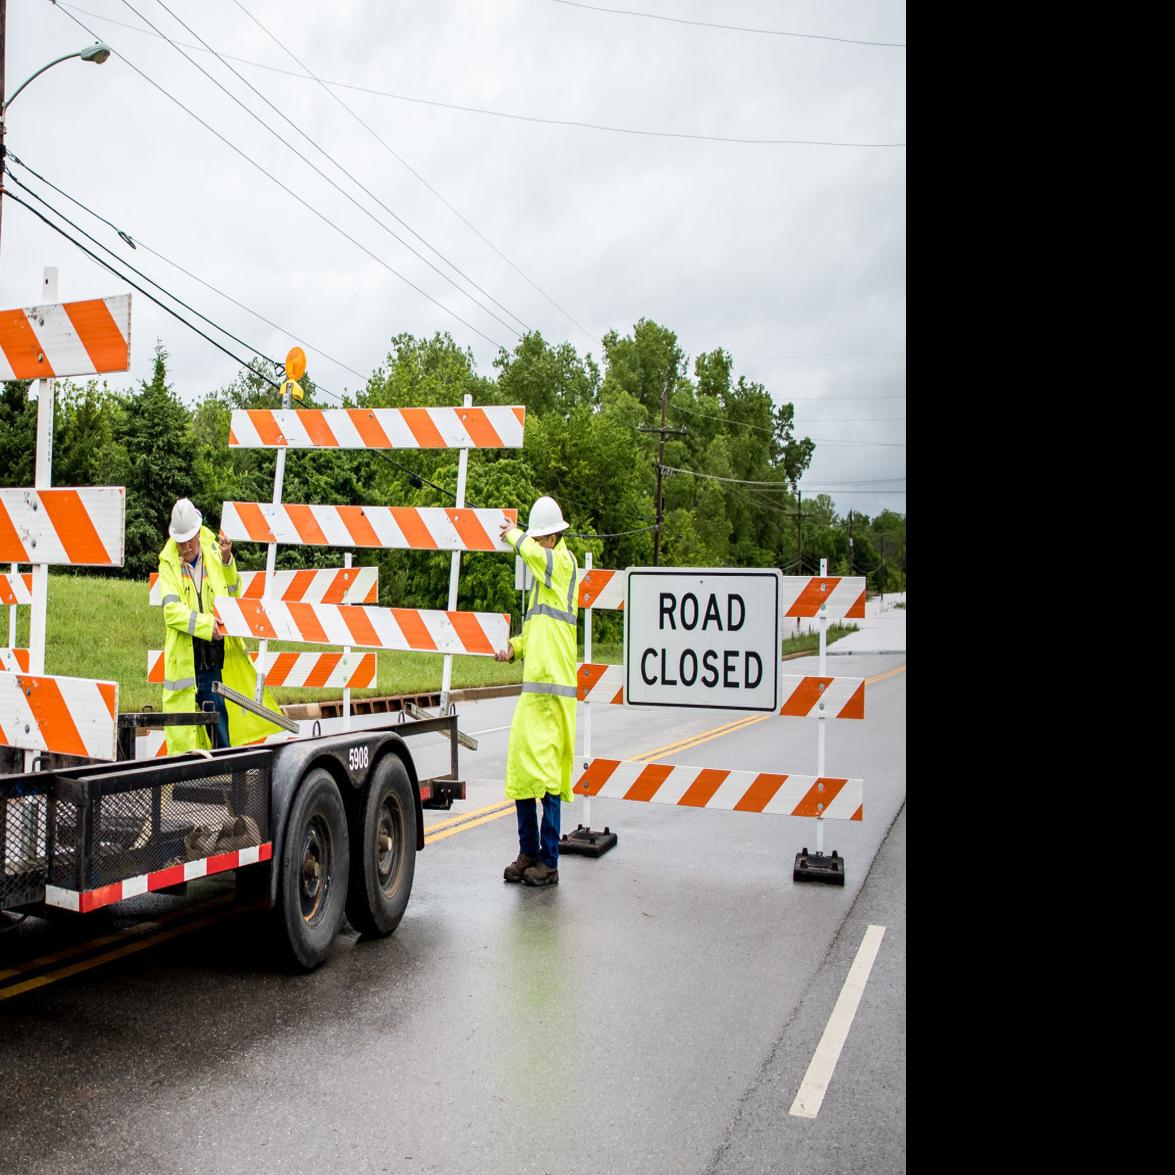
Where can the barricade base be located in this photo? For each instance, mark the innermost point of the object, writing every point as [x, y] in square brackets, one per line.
[586, 843]
[818, 867]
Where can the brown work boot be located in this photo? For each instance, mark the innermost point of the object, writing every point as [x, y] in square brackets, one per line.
[517, 868]
[541, 874]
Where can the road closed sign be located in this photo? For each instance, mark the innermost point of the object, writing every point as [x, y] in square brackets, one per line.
[704, 637]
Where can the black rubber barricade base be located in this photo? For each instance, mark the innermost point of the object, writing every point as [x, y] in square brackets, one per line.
[586, 843]
[818, 867]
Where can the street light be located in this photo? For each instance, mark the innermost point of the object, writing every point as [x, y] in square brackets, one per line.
[98, 52]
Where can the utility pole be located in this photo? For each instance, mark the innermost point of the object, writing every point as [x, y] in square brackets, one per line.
[798, 515]
[850, 542]
[3, 23]
[665, 432]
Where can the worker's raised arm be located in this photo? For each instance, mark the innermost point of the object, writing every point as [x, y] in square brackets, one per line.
[176, 614]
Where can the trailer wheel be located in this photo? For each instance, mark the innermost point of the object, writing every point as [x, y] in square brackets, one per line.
[383, 848]
[315, 860]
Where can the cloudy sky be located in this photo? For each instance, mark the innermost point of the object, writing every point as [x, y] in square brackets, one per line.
[791, 255]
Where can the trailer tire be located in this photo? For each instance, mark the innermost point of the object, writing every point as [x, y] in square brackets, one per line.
[383, 850]
[314, 870]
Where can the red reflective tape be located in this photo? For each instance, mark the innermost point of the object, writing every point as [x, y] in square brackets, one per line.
[92, 899]
[165, 878]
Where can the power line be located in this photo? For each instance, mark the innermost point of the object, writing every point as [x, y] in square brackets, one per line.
[730, 27]
[342, 191]
[732, 480]
[136, 242]
[400, 159]
[122, 277]
[593, 126]
[294, 195]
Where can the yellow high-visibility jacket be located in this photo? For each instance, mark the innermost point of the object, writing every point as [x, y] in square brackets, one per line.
[185, 617]
[542, 735]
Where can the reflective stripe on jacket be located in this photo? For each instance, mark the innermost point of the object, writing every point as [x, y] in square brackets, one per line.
[542, 735]
[184, 619]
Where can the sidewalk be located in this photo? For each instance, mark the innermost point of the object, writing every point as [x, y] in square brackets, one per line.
[882, 631]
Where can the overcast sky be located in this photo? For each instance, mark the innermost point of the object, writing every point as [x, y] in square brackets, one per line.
[792, 257]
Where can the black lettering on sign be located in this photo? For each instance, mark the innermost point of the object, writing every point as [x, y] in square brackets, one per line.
[665, 679]
[686, 600]
[747, 669]
[668, 604]
[712, 613]
[693, 667]
[644, 676]
[710, 661]
[730, 669]
[732, 599]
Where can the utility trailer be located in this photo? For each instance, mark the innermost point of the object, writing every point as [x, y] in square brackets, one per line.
[317, 828]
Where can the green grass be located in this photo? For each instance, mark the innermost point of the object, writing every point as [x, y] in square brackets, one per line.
[102, 628]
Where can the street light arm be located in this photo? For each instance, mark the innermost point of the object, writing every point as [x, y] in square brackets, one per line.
[97, 53]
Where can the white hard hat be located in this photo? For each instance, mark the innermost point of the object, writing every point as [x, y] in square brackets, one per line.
[545, 518]
[185, 521]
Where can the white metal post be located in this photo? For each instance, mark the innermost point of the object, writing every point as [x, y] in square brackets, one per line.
[12, 614]
[271, 562]
[347, 657]
[587, 706]
[42, 479]
[820, 727]
[455, 567]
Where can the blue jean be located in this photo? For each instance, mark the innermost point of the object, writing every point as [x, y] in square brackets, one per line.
[528, 830]
[204, 680]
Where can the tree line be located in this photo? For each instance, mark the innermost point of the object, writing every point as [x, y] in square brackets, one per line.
[730, 500]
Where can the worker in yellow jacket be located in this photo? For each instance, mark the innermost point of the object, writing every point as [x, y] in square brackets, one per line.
[542, 735]
[195, 568]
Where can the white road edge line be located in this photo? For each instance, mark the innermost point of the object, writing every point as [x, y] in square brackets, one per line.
[815, 1084]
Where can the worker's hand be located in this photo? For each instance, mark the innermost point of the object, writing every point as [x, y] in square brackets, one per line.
[226, 548]
[219, 632]
[507, 526]
[506, 654]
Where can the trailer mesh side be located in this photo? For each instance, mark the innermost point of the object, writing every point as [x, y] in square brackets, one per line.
[23, 808]
[130, 823]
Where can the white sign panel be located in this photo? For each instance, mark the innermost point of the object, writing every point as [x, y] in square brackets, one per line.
[706, 637]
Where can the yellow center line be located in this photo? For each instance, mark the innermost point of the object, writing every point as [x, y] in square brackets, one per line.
[131, 948]
[139, 928]
[430, 828]
[883, 676]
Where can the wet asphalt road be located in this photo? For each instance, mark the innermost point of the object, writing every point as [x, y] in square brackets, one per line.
[655, 1012]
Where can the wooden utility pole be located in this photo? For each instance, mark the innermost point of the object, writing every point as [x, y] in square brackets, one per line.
[798, 515]
[850, 542]
[664, 432]
[3, 23]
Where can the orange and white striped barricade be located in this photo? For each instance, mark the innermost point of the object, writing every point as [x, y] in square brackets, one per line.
[412, 528]
[80, 526]
[599, 588]
[334, 670]
[803, 697]
[66, 338]
[64, 715]
[16, 588]
[467, 427]
[14, 660]
[331, 585]
[827, 798]
[417, 630]
[584, 840]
